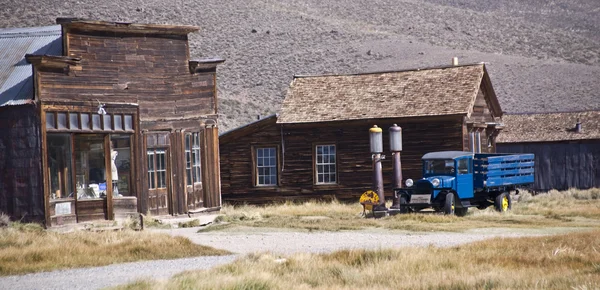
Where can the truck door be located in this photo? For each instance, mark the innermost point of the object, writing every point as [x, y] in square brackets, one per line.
[464, 177]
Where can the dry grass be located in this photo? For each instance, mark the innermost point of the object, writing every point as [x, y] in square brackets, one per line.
[572, 208]
[556, 262]
[27, 248]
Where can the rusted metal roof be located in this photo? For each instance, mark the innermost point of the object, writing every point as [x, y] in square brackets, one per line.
[548, 127]
[393, 94]
[16, 81]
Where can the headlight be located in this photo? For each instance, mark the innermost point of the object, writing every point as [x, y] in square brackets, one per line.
[435, 182]
[408, 182]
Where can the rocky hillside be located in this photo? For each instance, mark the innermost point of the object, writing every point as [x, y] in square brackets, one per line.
[542, 55]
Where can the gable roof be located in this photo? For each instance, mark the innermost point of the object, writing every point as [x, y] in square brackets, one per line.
[247, 129]
[421, 92]
[542, 127]
[16, 81]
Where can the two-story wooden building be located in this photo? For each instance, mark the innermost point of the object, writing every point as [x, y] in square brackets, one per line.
[319, 143]
[104, 119]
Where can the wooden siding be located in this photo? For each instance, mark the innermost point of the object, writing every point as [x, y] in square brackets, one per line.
[21, 187]
[354, 171]
[561, 164]
[151, 70]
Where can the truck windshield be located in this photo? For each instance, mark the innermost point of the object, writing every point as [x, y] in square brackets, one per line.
[439, 166]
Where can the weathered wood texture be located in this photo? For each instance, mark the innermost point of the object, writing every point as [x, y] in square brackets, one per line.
[92, 209]
[211, 181]
[151, 70]
[21, 189]
[562, 164]
[354, 165]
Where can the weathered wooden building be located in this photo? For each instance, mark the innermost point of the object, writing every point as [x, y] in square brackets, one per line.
[104, 119]
[318, 145]
[566, 147]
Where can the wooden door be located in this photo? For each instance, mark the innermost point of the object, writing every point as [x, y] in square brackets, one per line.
[159, 183]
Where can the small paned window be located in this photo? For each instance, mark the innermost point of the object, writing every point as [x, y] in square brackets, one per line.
[188, 159]
[50, 121]
[107, 122]
[151, 171]
[196, 157]
[266, 166]
[96, 122]
[157, 169]
[192, 158]
[118, 122]
[62, 120]
[128, 122]
[85, 121]
[325, 164]
[73, 121]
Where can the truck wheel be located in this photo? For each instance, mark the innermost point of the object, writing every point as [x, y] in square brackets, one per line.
[461, 211]
[503, 202]
[449, 203]
[403, 209]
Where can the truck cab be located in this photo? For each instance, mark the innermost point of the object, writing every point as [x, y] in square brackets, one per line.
[453, 181]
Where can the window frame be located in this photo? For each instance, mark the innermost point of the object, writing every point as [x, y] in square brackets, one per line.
[153, 183]
[193, 158]
[255, 175]
[316, 165]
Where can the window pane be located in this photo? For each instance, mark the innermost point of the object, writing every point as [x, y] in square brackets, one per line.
[107, 122]
[73, 121]
[96, 122]
[188, 138]
[59, 165]
[62, 120]
[118, 122]
[266, 166]
[128, 122]
[85, 121]
[50, 122]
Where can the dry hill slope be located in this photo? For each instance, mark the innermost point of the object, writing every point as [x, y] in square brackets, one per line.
[542, 55]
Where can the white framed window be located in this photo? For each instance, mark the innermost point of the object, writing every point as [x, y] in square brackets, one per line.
[192, 158]
[325, 164]
[266, 166]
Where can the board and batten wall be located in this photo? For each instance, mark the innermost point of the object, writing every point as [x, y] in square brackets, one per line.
[296, 143]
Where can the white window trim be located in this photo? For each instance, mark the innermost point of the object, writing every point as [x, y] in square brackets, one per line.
[275, 166]
[316, 162]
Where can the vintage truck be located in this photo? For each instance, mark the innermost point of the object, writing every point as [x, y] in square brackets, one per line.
[453, 181]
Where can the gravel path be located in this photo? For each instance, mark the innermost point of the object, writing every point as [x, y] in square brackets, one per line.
[248, 240]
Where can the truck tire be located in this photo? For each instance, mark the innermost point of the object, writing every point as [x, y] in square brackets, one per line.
[503, 202]
[461, 211]
[402, 201]
[449, 203]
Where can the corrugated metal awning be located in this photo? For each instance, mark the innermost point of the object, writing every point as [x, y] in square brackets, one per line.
[16, 81]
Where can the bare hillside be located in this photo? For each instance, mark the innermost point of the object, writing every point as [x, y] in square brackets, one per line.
[542, 55]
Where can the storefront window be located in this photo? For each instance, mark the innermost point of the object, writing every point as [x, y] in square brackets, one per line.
[90, 166]
[121, 164]
[59, 165]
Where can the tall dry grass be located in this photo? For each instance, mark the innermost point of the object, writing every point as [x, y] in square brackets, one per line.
[27, 248]
[552, 262]
[572, 208]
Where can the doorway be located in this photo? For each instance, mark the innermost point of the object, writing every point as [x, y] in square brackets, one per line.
[158, 181]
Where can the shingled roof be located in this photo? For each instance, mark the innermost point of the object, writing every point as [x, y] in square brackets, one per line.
[420, 92]
[549, 127]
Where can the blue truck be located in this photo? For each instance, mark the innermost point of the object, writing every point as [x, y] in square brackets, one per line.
[453, 181]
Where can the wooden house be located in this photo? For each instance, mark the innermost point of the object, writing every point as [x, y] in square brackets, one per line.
[99, 120]
[318, 146]
[566, 147]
